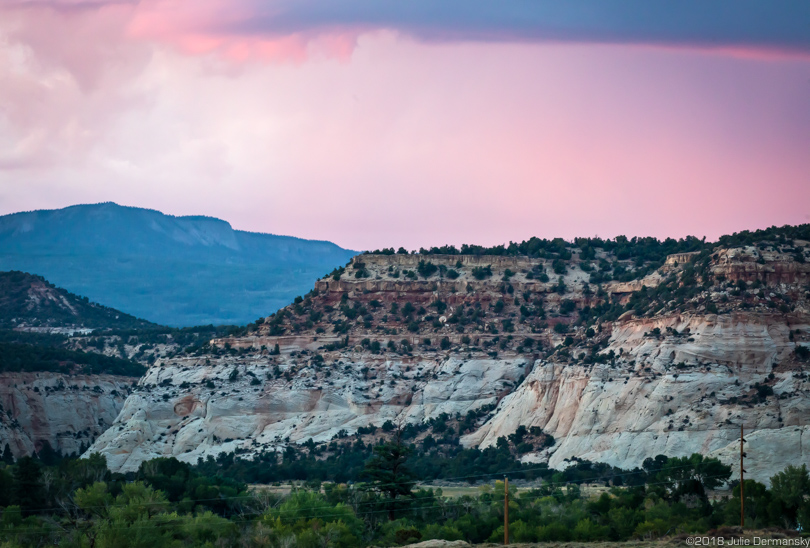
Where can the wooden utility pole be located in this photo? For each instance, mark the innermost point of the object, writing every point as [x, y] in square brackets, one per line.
[505, 510]
[742, 480]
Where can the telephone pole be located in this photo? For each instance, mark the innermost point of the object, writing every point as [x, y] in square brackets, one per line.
[742, 480]
[505, 510]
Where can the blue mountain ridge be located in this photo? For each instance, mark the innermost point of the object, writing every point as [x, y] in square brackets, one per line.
[177, 271]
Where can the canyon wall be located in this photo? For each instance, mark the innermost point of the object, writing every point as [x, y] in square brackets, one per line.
[618, 361]
[673, 395]
[67, 411]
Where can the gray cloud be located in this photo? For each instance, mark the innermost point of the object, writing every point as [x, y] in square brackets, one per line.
[757, 24]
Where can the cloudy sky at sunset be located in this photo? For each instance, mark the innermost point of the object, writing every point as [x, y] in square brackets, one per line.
[384, 123]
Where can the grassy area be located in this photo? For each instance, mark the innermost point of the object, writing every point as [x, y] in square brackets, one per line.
[455, 490]
[460, 489]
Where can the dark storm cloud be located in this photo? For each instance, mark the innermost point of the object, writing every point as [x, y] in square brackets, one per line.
[779, 25]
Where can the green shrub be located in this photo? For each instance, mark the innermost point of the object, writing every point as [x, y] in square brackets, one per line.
[482, 272]
[407, 536]
[426, 269]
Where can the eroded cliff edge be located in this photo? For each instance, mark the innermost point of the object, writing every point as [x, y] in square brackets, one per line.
[616, 358]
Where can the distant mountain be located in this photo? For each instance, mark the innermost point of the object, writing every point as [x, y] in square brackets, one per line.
[177, 271]
[28, 300]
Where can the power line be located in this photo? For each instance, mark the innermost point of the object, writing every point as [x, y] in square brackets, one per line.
[397, 483]
[335, 513]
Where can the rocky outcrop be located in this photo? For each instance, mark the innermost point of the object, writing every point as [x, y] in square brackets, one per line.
[670, 359]
[190, 410]
[67, 411]
[766, 265]
[685, 391]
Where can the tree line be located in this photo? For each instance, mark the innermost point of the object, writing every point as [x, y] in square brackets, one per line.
[79, 502]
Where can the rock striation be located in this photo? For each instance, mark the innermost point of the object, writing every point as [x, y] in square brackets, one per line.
[616, 356]
[68, 412]
[672, 395]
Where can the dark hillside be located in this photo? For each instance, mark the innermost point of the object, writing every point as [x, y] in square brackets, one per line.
[31, 301]
[28, 358]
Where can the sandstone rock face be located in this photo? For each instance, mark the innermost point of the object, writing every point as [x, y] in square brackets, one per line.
[671, 395]
[656, 361]
[176, 412]
[67, 411]
[750, 263]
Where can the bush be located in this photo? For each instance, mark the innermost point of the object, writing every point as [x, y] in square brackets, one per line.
[524, 447]
[445, 344]
[482, 272]
[407, 536]
[426, 269]
[589, 531]
[554, 532]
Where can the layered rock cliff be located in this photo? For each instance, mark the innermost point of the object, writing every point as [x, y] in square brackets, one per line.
[67, 411]
[684, 391]
[51, 393]
[617, 358]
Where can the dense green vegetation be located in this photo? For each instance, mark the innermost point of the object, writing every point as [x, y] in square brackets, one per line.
[646, 249]
[186, 339]
[169, 503]
[28, 337]
[27, 358]
[637, 248]
[32, 300]
[774, 234]
[645, 253]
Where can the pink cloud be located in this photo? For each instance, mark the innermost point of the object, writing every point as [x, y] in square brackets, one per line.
[197, 31]
[372, 139]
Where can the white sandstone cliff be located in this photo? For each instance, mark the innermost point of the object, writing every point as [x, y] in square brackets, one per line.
[657, 372]
[67, 411]
[672, 395]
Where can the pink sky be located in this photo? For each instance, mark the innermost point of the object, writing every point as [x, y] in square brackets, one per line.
[370, 137]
